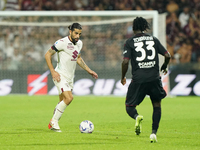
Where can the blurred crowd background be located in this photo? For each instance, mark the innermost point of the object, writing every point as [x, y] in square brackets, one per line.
[182, 32]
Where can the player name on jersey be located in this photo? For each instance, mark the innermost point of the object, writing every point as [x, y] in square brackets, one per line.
[142, 38]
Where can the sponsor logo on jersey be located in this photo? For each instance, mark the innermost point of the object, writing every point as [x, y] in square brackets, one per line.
[149, 64]
[55, 43]
[75, 54]
[70, 47]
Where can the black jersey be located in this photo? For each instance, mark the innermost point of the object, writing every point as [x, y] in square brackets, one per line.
[143, 50]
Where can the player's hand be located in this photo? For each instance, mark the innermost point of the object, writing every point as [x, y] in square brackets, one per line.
[123, 81]
[164, 69]
[55, 76]
[93, 74]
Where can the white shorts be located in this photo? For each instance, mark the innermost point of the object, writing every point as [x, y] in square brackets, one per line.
[63, 85]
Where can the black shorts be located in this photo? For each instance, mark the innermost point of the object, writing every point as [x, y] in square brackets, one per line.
[137, 92]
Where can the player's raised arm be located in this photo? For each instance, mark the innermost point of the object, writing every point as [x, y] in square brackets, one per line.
[83, 65]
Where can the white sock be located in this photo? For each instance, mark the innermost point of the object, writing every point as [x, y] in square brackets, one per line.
[55, 109]
[60, 108]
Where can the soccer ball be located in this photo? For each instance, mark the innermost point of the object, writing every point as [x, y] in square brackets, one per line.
[86, 126]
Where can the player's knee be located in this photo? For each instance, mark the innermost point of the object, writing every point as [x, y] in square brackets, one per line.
[157, 104]
[128, 109]
[131, 111]
[68, 100]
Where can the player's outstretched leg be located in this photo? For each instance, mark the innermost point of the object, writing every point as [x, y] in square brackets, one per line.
[138, 124]
[153, 138]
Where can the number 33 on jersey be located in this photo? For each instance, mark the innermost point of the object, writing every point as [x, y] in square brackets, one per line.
[142, 51]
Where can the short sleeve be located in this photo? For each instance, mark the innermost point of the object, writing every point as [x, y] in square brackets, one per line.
[127, 51]
[58, 45]
[161, 49]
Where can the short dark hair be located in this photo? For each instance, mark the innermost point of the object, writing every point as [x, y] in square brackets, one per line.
[140, 24]
[74, 26]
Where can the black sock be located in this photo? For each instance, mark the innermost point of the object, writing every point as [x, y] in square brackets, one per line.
[156, 119]
[132, 112]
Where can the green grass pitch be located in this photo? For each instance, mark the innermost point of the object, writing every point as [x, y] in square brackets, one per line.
[24, 121]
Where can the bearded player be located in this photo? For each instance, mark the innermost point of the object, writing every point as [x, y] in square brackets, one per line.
[68, 52]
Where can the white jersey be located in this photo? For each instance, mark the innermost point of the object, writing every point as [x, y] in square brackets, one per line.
[67, 54]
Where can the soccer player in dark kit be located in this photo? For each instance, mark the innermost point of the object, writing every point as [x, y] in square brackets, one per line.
[143, 49]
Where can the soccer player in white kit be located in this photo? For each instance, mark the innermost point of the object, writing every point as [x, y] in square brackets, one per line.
[68, 53]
